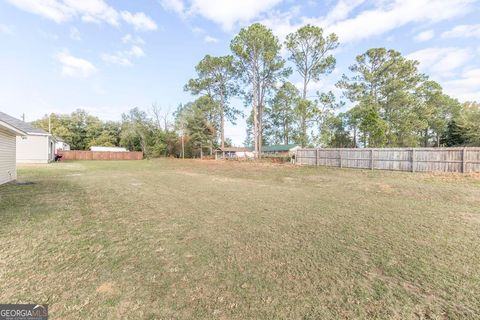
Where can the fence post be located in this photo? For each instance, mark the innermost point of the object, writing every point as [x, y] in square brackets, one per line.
[371, 159]
[464, 159]
[316, 156]
[340, 156]
[413, 160]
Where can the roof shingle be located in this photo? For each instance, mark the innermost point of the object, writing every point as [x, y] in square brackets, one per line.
[20, 125]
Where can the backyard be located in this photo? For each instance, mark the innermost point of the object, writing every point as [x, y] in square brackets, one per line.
[168, 239]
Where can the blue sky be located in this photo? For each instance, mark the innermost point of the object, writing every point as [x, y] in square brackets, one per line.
[109, 56]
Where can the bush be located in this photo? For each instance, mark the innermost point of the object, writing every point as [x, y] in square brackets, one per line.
[275, 158]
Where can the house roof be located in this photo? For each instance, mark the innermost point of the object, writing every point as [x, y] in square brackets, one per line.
[234, 149]
[21, 125]
[278, 148]
[12, 130]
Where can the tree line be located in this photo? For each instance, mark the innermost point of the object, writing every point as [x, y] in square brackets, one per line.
[391, 103]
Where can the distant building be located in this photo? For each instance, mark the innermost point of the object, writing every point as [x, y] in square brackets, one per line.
[233, 153]
[36, 146]
[61, 145]
[8, 134]
[280, 149]
[108, 149]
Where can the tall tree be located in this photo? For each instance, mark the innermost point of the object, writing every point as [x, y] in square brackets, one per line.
[215, 79]
[325, 116]
[455, 135]
[384, 89]
[78, 129]
[437, 110]
[260, 66]
[469, 121]
[281, 114]
[136, 131]
[336, 132]
[311, 53]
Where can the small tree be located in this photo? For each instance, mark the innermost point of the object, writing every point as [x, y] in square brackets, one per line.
[198, 131]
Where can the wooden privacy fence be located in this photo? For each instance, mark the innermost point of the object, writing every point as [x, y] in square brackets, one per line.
[398, 159]
[99, 155]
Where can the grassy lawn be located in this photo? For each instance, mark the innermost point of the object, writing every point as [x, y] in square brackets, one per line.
[172, 239]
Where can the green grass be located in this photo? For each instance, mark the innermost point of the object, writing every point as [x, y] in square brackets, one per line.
[172, 239]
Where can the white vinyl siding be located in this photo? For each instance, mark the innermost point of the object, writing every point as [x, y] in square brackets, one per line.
[8, 171]
[33, 149]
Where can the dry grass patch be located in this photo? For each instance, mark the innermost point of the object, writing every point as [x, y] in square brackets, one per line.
[168, 239]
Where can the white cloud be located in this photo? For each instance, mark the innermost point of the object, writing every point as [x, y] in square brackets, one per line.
[226, 13]
[382, 17]
[341, 10]
[391, 15]
[467, 87]
[210, 39]
[91, 10]
[425, 36]
[198, 30]
[50, 9]
[64, 10]
[75, 34]
[116, 58]
[75, 67]
[463, 31]
[140, 21]
[441, 62]
[6, 29]
[176, 6]
[136, 52]
[128, 38]
[124, 58]
[96, 11]
[281, 22]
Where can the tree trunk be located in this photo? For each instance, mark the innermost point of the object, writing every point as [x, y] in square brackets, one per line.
[425, 139]
[255, 119]
[222, 120]
[285, 132]
[304, 131]
[260, 130]
[303, 116]
[355, 136]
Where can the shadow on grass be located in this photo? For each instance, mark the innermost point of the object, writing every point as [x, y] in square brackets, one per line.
[35, 200]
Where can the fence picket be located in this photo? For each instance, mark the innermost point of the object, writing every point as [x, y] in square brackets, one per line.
[398, 159]
[99, 155]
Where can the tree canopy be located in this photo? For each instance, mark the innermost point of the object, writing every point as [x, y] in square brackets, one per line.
[385, 101]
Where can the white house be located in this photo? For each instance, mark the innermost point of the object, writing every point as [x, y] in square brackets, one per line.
[8, 134]
[234, 153]
[37, 146]
[280, 149]
[60, 144]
